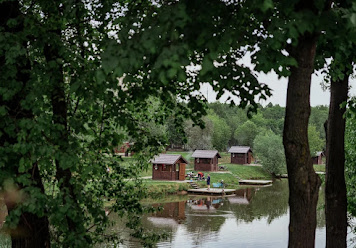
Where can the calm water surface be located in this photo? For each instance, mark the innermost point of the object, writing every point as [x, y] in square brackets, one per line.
[255, 217]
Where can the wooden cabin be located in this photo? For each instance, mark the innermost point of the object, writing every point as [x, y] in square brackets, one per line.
[206, 160]
[169, 167]
[241, 155]
[124, 149]
[318, 159]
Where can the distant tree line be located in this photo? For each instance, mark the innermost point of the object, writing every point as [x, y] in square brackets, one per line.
[227, 125]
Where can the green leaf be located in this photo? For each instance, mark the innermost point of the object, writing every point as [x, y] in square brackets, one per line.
[22, 165]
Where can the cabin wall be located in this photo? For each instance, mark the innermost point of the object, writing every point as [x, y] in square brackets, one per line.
[249, 158]
[241, 158]
[164, 174]
[206, 164]
[238, 158]
[169, 173]
[317, 160]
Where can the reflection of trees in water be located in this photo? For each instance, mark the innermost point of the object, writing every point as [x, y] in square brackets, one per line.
[202, 215]
[270, 202]
[203, 220]
[320, 208]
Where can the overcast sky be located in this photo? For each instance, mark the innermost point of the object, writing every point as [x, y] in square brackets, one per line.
[279, 89]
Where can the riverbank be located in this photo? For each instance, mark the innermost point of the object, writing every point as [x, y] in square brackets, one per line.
[230, 176]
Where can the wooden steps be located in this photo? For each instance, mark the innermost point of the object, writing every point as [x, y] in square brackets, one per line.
[194, 185]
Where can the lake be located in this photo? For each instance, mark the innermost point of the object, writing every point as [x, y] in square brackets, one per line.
[254, 217]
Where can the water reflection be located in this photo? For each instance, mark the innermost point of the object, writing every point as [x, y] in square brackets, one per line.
[254, 217]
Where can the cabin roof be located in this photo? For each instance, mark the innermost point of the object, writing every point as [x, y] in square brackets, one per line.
[205, 154]
[168, 159]
[240, 149]
[320, 154]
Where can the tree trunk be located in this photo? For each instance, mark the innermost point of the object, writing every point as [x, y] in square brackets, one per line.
[335, 186]
[303, 181]
[60, 109]
[32, 230]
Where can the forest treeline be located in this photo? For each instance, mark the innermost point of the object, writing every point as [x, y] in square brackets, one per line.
[228, 125]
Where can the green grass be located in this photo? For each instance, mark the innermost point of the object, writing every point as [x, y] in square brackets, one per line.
[229, 179]
[248, 172]
[319, 167]
[159, 188]
[225, 158]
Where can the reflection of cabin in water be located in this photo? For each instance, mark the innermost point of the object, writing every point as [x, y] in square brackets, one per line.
[241, 154]
[168, 167]
[242, 196]
[203, 205]
[318, 159]
[206, 160]
[172, 210]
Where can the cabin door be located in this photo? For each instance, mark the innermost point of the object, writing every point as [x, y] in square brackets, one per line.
[181, 176]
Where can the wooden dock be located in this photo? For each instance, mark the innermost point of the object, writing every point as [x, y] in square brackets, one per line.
[212, 191]
[255, 182]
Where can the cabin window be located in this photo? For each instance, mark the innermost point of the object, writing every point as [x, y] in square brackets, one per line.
[166, 167]
[198, 160]
[156, 167]
[233, 155]
[177, 167]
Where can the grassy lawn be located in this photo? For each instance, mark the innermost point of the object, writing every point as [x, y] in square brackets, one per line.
[248, 172]
[159, 188]
[229, 179]
[225, 158]
[319, 167]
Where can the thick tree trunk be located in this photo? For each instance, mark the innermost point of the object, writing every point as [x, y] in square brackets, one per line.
[59, 107]
[335, 186]
[303, 181]
[32, 230]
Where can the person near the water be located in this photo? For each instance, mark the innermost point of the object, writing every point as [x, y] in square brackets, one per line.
[208, 181]
[200, 175]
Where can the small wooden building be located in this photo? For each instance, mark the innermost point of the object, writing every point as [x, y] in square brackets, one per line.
[241, 154]
[124, 149]
[168, 167]
[318, 159]
[206, 160]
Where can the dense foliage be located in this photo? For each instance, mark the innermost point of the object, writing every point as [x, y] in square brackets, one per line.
[350, 171]
[269, 149]
[228, 125]
[77, 78]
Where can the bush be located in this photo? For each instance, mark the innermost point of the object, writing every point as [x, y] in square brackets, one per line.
[270, 151]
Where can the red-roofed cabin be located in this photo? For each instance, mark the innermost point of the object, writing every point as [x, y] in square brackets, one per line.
[241, 154]
[169, 167]
[206, 160]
